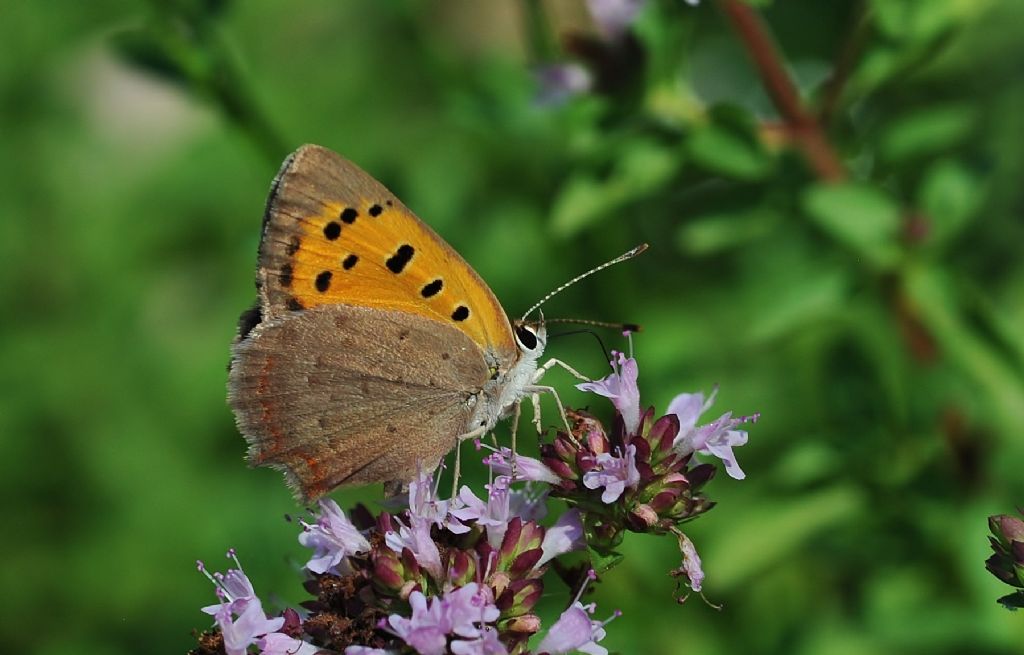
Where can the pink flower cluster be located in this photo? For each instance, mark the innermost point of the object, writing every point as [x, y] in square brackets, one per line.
[463, 575]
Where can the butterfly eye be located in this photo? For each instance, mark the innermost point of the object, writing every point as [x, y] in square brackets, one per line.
[526, 337]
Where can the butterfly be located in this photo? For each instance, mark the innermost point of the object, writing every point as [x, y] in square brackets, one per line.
[374, 347]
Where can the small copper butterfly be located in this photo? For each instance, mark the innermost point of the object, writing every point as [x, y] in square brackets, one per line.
[374, 347]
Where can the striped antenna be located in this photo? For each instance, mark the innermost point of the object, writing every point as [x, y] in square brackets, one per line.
[625, 327]
[621, 258]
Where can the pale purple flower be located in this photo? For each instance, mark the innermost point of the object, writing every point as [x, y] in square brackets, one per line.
[691, 562]
[717, 438]
[557, 83]
[416, 537]
[427, 630]
[621, 387]
[564, 536]
[333, 538]
[494, 515]
[278, 643]
[424, 503]
[614, 473]
[614, 17]
[242, 632]
[366, 650]
[469, 605]
[233, 588]
[528, 469]
[575, 630]
[239, 599]
[486, 644]
[457, 613]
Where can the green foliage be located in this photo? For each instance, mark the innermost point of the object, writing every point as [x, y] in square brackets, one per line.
[875, 322]
[858, 216]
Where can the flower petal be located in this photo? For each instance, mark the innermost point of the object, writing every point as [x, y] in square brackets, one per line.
[564, 536]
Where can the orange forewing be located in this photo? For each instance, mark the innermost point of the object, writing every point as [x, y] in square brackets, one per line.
[334, 235]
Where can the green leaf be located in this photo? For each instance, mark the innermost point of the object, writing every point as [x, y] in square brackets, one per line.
[643, 168]
[582, 201]
[935, 295]
[142, 49]
[714, 233]
[760, 539]
[915, 20]
[603, 562]
[725, 151]
[950, 195]
[930, 130]
[878, 66]
[1014, 601]
[797, 302]
[861, 217]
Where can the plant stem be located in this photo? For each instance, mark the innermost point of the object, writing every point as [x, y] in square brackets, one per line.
[802, 125]
[540, 45]
[849, 53]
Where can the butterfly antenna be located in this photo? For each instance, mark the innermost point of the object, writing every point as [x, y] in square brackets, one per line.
[624, 327]
[597, 336]
[621, 258]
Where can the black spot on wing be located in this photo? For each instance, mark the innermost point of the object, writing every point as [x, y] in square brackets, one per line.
[323, 281]
[432, 288]
[249, 319]
[398, 261]
[332, 230]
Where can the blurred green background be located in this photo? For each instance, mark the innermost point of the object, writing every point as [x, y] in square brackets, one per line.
[850, 267]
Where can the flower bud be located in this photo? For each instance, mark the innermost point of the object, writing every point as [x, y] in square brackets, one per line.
[564, 449]
[1007, 560]
[596, 442]
[664, 499]
[526, 624]
[388, 570]
[663, 433]
[642, 518]
[499, 581]
[407, 589]
[1006, 528]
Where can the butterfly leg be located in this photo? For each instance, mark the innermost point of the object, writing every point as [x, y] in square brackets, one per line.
[472, 434]
[517, 412]
[535, 390]
[541, 370]
[535, 401]
[553, 362]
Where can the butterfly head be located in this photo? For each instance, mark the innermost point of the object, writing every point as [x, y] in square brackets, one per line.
[531, 338]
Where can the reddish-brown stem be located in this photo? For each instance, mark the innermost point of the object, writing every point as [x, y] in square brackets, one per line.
[804, 129]
[832, 90]
[802, 124]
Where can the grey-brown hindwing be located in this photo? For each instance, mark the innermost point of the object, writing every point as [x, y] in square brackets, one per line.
[352, 395]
